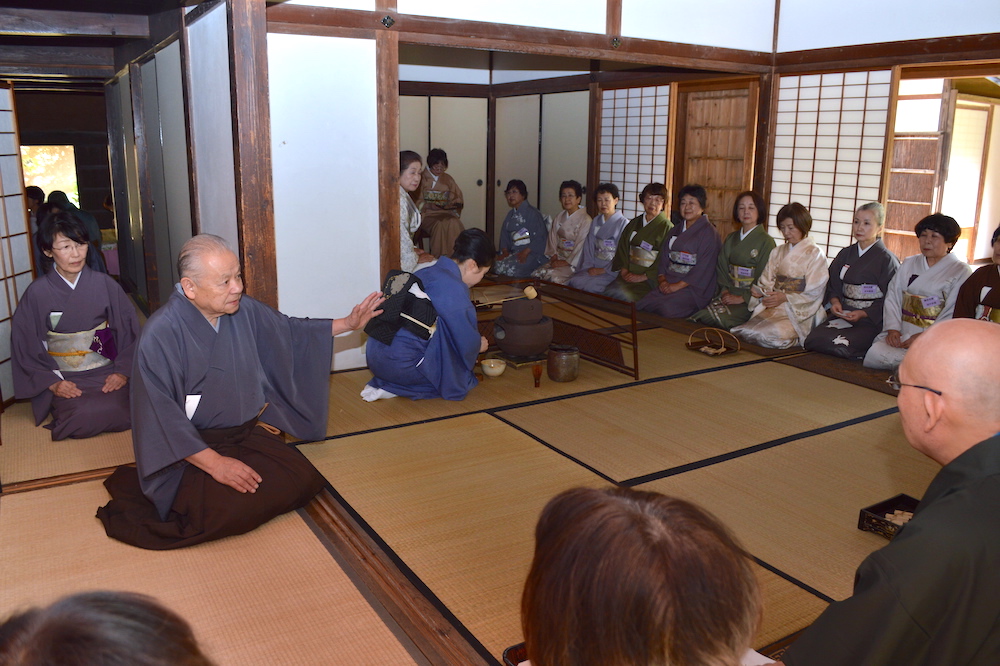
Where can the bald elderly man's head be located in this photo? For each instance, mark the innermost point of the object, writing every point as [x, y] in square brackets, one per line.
[957, 357]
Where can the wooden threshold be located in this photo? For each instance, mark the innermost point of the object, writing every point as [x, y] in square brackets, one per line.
[434, 634]
[60, 480]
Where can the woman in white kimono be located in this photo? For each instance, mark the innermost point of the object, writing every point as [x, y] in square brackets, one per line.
[567, 236]
[788, 297]
[410, 258]
[922, 292]
[594, 273]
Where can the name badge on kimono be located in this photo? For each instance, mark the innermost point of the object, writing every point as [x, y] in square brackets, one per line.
[930, 302]
[742, 275]
[645, 246]
[521, 236]
[870, 291]
[567, 244]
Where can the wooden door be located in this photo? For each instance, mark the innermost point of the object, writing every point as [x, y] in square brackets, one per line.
[716, 126]
[912, 190]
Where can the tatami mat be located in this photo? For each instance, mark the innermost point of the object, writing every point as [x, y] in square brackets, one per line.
[644, 429]
[660, 352]
[28, 452]
[787, 608]
[274, 596]
[796, 506]
[457, 501]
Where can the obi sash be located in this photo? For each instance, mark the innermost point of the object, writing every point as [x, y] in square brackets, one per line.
[861, 296]
[920, 310]
[987, 313]
[521, 237]
[565, 248]
[76, 352]
[604, 248]
[436, 198]
[789, 285]
[640, 256]
[742, 276]
[682, 262]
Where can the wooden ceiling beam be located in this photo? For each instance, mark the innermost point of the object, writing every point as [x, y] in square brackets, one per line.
[45, 23]
[57, 61]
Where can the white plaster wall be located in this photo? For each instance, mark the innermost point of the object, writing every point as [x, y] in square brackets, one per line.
[577, 15]
[436, 74]
[565, 119]
[327, 256]
[443, 65]
[212, 124]
[808, 24]
[514, 67]
[735, 24]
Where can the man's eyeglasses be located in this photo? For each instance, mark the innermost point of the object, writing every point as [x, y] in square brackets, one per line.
[896, 385]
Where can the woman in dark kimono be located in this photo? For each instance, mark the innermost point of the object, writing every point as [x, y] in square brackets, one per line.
[686, 280]
[440, 366]
[979, 297]
[72, 339]
[859, 278]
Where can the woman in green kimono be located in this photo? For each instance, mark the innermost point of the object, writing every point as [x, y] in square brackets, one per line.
[639, 247]
[741, 262]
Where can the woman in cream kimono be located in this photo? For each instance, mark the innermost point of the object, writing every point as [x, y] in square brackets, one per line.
[922, 292]
[567, 236]
[440, 204]
[410, 257]
[788, 297]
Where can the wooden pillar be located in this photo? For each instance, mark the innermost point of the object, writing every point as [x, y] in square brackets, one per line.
[764, 141]
[252, 147]
[387, 95]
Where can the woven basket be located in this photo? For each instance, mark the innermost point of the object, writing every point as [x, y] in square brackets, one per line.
[713, 341]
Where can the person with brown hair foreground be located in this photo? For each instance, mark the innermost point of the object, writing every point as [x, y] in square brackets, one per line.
[930, 596]
[622, 577]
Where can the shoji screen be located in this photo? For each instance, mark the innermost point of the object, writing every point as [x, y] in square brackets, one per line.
[829, 142]
[15, 244]
[634, 141]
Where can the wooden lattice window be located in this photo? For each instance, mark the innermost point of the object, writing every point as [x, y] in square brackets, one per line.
[634, 141]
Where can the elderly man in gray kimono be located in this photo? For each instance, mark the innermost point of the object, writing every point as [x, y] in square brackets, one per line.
[217, 377]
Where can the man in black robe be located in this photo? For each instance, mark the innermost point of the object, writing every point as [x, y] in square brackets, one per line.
[930, 597]
[210, 363]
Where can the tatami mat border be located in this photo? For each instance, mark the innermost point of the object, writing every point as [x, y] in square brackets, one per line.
[555, 449]
[792, 579]
[541, 401]
[413, 578]
[698, 464]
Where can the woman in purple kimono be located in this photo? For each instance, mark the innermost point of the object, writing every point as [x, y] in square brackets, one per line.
[441, 365]
[72, 339]
[594, 273]
[686, 281]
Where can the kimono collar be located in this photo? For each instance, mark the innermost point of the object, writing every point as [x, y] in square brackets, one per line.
[72, 285]
[193, 309]
[744, 234]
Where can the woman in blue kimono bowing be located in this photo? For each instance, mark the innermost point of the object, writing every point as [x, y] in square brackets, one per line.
[441, 366]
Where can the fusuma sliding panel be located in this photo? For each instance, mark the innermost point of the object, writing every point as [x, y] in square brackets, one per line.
[634, 141]
[829, 139]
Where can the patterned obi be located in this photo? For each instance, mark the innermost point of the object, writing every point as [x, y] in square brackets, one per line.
[640, 256]
[861, 296]
[920, 310]
[565, 248]
[986, 313]
[682, 262]
[521, 237]
[789, 285]
[604, 248]
[76, 352]
[742, 276]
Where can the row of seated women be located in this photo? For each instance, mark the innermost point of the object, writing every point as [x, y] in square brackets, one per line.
[776, 297]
